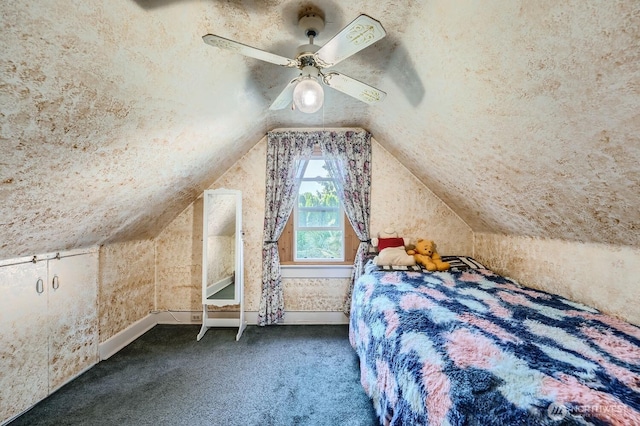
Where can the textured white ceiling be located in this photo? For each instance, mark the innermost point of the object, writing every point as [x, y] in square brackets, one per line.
[524, 117]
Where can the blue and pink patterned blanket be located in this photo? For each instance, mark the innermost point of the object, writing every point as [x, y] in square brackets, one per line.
[474, 348]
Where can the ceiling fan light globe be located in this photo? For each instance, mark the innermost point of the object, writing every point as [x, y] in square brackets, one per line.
[308, 96]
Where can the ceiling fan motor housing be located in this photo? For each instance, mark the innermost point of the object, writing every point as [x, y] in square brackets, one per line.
[306, 50]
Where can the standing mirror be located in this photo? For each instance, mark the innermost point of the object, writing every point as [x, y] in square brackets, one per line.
[222, 262]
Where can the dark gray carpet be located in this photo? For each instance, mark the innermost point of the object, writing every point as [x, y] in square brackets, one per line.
[279, 375]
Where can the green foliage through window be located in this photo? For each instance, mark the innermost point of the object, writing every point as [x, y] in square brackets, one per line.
[319, 223]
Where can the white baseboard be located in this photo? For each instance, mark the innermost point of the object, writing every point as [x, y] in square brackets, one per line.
[178, 317]
[113, 344]
[251, 317]
[304, 318]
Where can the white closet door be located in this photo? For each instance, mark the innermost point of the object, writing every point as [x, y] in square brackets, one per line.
[23, 337]
[73, 317]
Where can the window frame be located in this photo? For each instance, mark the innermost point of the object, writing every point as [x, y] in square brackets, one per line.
[297, 211]
[287, 241]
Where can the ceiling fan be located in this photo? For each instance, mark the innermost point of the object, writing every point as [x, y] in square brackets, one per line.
[305, 90]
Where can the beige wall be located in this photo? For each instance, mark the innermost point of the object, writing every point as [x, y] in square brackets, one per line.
[581, 272]
[487, 100]
[179, 262]
[605, 277]
[398, 199]
[126, 288]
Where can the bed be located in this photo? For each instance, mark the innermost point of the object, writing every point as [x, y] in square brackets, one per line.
[470, 347]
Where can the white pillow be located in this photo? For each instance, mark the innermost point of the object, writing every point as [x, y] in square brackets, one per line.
[394, 256]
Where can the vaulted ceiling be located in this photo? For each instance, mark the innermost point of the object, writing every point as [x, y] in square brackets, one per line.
[523, 116]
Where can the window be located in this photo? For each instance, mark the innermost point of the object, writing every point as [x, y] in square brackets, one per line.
[318, 224]
[318, 230]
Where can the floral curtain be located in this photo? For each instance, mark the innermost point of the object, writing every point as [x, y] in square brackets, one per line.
[350, 166]
[285, 150]
[349, 161]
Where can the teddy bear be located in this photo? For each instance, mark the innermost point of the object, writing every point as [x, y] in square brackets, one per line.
[410, 249]
[426, 255]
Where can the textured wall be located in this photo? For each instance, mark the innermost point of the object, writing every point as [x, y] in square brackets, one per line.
[522, 116]
[399, 200]
[394, 190]
[126, 286]
[115, 115]
[107, 125]
[179, 262]
[597, 275]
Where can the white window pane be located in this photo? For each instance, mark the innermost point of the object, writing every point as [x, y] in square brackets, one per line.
[315, 168]
[318, 194]
[310, 186]
[318, 218]
[319, 227]
[319, 245]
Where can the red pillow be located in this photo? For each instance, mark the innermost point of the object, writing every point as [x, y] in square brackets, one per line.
[383, 243]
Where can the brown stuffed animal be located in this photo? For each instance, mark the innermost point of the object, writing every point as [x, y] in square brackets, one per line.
[425, 254]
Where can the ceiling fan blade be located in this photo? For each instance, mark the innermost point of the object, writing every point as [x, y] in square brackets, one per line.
[245, 50]
[360, 33]
[286, 96]
[353, 87]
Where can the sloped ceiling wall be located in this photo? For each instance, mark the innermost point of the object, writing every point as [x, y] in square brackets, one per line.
[524, 117]
[529, 121]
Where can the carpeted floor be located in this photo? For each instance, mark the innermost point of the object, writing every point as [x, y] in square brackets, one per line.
[280, 375]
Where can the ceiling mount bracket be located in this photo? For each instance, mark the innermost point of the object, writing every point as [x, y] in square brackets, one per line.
[312, 24]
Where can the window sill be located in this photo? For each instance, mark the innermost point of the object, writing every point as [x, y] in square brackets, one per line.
[316, 271]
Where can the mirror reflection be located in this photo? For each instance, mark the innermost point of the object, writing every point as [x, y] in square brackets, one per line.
[221, 244]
